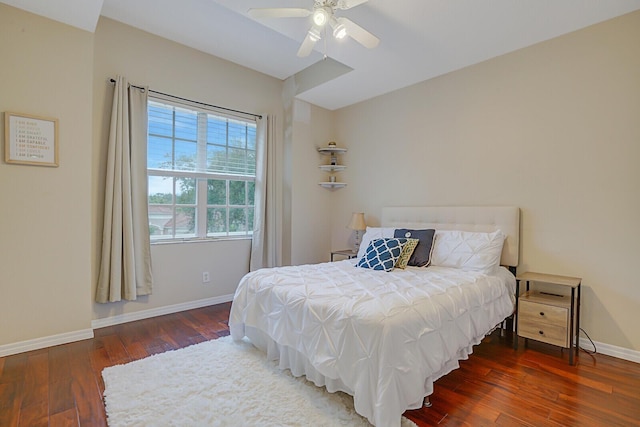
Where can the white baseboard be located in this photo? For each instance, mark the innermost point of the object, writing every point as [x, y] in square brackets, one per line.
[611, 350]
[67, 337]
[608, 349]
[159, 311]
[49, 341]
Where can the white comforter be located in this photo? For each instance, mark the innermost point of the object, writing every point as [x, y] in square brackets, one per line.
[382, 337]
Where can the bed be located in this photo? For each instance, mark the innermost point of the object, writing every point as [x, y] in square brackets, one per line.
[382, 337]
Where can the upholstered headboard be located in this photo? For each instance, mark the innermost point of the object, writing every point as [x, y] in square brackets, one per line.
[466, 218]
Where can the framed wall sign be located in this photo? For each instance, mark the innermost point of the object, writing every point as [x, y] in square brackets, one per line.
[30, 140]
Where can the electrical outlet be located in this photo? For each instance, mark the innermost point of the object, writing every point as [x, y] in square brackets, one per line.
[205, 277]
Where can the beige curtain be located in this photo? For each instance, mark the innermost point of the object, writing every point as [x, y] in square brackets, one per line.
[125, 270]
[264, 244]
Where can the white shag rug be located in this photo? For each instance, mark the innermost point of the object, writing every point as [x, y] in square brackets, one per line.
[220, 383]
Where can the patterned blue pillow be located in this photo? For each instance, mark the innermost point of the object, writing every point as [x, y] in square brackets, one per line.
[382, 254]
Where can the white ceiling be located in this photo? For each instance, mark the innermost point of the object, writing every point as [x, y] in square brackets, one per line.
[419, 39]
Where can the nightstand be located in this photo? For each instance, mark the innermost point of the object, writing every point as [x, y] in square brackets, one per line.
[546, 316]
[349, 253]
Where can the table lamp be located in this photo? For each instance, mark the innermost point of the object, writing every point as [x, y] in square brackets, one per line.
[357, 224]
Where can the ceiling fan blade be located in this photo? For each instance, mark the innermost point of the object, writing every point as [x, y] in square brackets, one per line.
[348, 4]
[308, 43]
[279, 12]
[359, 34]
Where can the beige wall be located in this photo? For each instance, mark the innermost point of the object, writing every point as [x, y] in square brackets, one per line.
[310, 204]
[45, 226]
[554, 129]
[172, 68]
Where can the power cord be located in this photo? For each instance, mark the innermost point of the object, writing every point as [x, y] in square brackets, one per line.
[595, 350]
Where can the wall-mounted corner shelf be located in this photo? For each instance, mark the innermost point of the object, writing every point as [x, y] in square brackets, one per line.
[332, 184]
[333, 165]
[329, 150]
[332, 168]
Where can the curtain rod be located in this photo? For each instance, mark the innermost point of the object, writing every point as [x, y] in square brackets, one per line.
[196, 102]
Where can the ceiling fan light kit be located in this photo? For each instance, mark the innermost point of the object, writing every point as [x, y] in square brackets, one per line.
[321, 16]
[323, 13]
[339, 30]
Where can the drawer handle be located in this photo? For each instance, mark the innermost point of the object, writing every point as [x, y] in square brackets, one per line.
[542, 313]
[541, 332]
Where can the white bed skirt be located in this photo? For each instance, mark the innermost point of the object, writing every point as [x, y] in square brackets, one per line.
[299, 365]
[294, 361]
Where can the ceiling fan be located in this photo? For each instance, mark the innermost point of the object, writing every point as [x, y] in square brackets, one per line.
[323, 14]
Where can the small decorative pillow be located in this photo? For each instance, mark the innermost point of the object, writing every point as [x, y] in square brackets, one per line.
[382, 254]
[422, 254]
[468, 250]
[407, 251]
[374, 233]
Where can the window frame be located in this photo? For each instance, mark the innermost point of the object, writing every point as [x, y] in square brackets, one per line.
[202, 175]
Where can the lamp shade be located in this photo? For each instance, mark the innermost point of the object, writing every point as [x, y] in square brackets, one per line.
[357, 221]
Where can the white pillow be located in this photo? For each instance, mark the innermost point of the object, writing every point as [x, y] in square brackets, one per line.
[468, 250]
[373, 233]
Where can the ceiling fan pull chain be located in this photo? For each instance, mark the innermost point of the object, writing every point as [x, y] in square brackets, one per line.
[325, 43]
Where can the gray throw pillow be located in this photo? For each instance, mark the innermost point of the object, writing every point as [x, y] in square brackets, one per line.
[422, 254]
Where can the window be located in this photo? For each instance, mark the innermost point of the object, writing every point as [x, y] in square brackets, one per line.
[201, 168]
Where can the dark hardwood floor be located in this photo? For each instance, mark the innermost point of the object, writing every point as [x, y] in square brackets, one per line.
[534, 386]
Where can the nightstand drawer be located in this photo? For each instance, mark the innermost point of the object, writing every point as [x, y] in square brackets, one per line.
[550, 334]
[542, 313]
